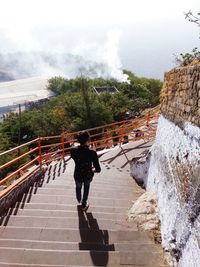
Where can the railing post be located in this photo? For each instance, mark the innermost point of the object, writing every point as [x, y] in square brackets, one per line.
[39, 152]
[148, 119]
[63, 146]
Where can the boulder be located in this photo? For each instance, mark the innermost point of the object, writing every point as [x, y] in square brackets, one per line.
[144, 212]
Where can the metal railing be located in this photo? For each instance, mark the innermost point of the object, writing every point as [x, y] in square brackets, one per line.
[44, 150]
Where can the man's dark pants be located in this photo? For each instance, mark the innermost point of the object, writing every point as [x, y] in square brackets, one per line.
[86, 185]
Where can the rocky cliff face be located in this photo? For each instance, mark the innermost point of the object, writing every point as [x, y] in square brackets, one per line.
[174, 172]
[180, 95]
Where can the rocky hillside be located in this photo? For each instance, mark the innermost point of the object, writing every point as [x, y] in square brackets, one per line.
[174, 166]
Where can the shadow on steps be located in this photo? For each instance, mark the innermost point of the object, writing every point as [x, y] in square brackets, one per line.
[101, 242]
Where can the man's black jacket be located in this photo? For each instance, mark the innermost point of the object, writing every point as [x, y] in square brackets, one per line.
[85, 159]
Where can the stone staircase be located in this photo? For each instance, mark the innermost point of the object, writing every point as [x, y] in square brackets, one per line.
[47, 228]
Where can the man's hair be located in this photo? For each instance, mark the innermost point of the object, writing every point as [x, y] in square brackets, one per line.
[83, 137]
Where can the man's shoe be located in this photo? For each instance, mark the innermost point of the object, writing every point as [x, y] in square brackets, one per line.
[85, 208]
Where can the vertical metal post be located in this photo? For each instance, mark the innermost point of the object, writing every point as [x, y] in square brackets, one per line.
[39, 152]
[63, 146]
[148, 119]
[19, 131]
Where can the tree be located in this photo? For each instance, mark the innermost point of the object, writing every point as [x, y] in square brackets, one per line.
[77, 107]
[188, 58]
[5, 143]
[193, 18]
[86, 99]
[60, 85]
[118, 104]
[192, 57]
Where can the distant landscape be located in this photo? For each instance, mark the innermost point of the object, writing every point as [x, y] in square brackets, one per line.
[75, 104]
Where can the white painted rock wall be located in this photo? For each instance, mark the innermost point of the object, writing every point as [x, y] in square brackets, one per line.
[174, 174]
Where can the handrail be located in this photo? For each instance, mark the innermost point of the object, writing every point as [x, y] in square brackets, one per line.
[18, 158]
[18, 147]
[17, 171]
[11, 187]
[45, 153]
[146, 118]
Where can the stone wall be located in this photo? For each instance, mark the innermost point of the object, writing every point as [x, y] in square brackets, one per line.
[180, 103]
[180, 95]
[174, 172]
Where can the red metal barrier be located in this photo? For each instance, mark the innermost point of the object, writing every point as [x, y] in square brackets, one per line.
[102, 137]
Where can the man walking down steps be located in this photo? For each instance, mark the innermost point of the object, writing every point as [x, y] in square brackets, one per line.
[86, 164]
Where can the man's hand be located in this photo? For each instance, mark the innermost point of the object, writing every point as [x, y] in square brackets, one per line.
[94, 170]
[93, 147]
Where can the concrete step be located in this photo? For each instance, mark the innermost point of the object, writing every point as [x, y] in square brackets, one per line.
[94, 193]
[82, 258]
[69, 172]
[59, 257]
[46, 245]
[3, 264]
[104, 176]
[58, 186]
[121, 180]
[67, 207]
[57, 199]
[66, 214]
[45, 265]
[71, 187]
[113, 185]
[108, 178]
[75, 235]
[141, 258]
[81, 222]
[96, 187]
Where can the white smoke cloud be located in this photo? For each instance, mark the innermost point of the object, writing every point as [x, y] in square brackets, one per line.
[105, 53]
[41, 53]
[87, 29]
[111, 55]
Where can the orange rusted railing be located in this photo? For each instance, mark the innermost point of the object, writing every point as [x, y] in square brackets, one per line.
[38, 152]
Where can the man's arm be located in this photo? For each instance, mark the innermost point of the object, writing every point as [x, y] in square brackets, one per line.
[72, 152]
[96, 163]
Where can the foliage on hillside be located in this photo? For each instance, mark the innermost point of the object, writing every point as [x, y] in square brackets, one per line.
[77, 107]
[186, 59]
[193, 57]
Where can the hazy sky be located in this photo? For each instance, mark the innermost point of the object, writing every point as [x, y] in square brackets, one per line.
[139, 35]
